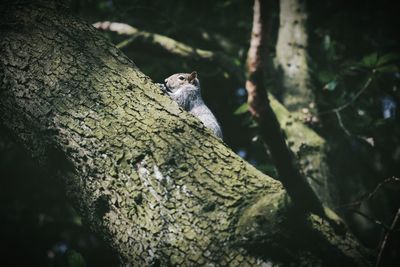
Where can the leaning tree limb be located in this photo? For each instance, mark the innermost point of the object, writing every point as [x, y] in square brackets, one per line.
[309, 147]
[144, 174]
[289, 174]
[173, 47]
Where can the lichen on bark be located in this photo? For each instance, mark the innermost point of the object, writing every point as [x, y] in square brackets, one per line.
[291, 59]
[147, 176]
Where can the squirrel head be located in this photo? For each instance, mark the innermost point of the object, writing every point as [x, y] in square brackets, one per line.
[176, 81]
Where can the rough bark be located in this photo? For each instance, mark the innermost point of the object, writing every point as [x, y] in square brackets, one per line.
[296, 94]
[289, 173]
[147, 176]
[291, 59]
[310, 150]
[308, 146]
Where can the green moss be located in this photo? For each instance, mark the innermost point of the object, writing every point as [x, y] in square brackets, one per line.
[265, 217]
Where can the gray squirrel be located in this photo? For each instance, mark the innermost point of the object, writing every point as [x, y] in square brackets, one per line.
[184, 89]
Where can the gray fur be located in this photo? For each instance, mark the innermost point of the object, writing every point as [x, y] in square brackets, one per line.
[184, 89]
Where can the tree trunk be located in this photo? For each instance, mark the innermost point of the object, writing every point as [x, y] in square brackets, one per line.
[309, 147]
[296, 93]
[291, 59]
[147, 176]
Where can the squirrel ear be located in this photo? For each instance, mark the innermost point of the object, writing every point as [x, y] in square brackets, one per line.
[192, 76]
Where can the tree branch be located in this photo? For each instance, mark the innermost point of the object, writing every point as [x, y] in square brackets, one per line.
[303, 141]
[170, 46]
[386, 238]
[289, 174]
[148, 177]
[351, 101]
[371, 194]
[291, 60]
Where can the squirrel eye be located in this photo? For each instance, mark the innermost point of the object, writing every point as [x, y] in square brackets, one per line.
[181, 78]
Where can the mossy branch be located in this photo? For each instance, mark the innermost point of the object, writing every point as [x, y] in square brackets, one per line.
[289, 174]
[169, 45]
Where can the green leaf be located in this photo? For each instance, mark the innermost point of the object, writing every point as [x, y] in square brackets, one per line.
[242, 109]
[370, 60]
[253, 124]
[388, 58]
[331, 85]
[325, 76]
[327, 42]
[237, 62]
[75, 259]
[388, 68]
[380, 122]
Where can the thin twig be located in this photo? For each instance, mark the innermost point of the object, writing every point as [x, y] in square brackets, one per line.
[352, 100]
[125, 42]
[342, 107]
[355, 205]
[357, 95]
[369, 218]
[370, 195]
[386, 237]
[339, 118]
